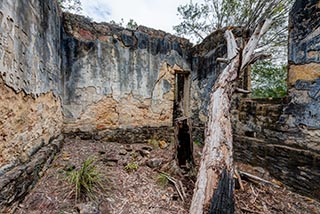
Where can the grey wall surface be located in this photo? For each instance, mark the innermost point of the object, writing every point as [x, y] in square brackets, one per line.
[30, 58]
[30, 90]
[103, 61]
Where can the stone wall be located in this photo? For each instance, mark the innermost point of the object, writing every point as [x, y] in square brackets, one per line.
[304, 67]
[283, 136]
[263, 139]
[119, 78]
[30, 86]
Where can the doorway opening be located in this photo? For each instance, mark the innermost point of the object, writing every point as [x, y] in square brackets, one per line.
[182, 120]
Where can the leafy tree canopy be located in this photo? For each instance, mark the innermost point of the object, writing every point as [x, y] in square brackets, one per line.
[268, 80]
[200, 19]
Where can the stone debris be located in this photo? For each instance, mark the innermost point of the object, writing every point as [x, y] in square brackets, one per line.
[122, 152]
[163, 144]
[154, 162]
[87, 208]
[144, 153]
[147, 148]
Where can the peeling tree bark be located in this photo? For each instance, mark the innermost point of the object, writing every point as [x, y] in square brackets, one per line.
[213, 191]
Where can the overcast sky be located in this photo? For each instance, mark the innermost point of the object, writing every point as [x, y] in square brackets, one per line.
[158, 14]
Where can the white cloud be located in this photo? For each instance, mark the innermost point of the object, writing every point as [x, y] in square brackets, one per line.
[158, 14]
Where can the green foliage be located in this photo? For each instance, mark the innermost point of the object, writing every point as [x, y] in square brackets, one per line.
[84, 179]
[134, 155]
[197, 142]
[268, 80]
[121, 23]
[130, 167]
[162, 179]
[131, 25]
[194, 24]
[201, 18]
[72, 6]
[154, 143]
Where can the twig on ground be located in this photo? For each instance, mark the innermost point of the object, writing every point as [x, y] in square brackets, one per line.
[182, 189]
[256, 179]
[250, 211]
[239, 179]
[176, 185]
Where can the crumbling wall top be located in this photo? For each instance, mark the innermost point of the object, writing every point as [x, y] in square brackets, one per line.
[157, 41]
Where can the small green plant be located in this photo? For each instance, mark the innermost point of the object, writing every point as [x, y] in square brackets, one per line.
[162, 179]
[85, 179]
[154, 143]
[197, 142]
[130, 167]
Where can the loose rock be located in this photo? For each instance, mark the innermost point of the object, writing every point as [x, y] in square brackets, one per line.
[155, 162]
[144, 153]
[163, 144]
[122, 152]
[87, 208]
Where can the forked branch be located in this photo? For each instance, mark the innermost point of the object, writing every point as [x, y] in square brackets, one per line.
[249, 49]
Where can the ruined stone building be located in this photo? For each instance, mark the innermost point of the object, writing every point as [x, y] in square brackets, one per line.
[62, 74]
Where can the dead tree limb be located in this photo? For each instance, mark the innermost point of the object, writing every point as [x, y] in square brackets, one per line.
[214, 186]
[256, 179]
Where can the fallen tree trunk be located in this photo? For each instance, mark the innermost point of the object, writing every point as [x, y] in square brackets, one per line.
[213, 191]
[217, 152]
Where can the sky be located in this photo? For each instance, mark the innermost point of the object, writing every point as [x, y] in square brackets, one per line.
[158, 14]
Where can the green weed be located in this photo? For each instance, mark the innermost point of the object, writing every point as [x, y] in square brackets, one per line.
[85, 179]
[162, 179]
[197, 142]
[154, 143]
[130, 167]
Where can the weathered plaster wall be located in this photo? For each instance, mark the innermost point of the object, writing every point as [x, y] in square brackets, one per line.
[205, 71]
[118, 78]
[284, 135]
[30, 85]
[30, 46]
[304, 41]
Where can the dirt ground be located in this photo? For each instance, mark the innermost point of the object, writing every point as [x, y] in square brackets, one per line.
[126, 191]
[258, 197]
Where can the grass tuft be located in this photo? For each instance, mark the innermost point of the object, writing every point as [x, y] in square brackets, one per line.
[162, 179]
[85, 179]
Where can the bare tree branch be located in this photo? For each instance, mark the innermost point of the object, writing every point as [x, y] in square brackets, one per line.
[250, 47]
